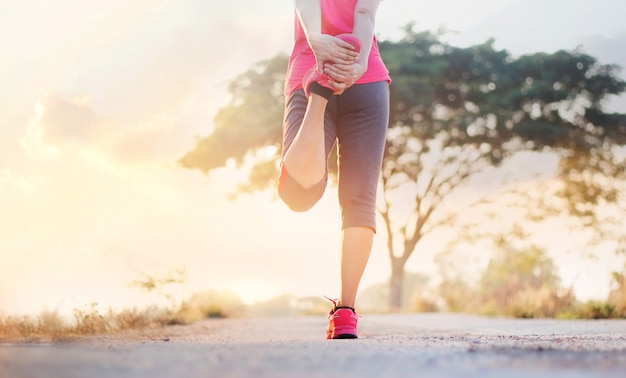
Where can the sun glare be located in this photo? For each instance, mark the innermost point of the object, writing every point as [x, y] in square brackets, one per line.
[252, 292]
[101, 98]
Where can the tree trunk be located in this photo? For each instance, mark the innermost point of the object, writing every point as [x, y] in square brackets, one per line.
[396, 284]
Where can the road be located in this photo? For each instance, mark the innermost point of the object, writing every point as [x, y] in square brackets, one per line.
[398, 345]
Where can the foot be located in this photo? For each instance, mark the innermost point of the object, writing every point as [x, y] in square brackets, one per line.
[342, 323]
[314, 76]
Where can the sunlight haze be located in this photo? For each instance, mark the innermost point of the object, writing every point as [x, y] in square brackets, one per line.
[99, 98]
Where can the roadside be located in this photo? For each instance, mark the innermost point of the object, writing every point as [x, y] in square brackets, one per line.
[398, 345]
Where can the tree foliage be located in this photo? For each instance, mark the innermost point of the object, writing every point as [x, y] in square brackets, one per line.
[249, 123]
[454, 112]
[519, 280]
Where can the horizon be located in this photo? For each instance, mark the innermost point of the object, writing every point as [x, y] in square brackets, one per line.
[99, 100]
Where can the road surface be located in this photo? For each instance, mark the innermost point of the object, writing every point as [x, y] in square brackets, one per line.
[397, 345]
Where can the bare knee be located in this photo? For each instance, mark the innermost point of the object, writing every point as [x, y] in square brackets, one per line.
[297, 197]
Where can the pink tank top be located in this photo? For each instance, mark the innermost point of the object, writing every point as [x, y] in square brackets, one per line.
[337, 18]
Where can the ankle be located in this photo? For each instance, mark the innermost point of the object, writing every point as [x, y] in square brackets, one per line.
[318, 102]
[349, 304]
[344, 307]
[317, 89]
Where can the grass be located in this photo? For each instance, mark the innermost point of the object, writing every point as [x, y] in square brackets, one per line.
[532, 302]
[50, 326]
[515, 301]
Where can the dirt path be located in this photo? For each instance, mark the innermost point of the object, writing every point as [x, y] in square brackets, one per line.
[404, 345]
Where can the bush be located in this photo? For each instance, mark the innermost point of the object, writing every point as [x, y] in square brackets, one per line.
[538, 303]
[209, 304]
[617, 296]
[520, 282]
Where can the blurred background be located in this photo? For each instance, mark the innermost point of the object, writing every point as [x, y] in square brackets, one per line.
[114, 177]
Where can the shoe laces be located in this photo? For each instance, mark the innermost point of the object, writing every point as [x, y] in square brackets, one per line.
[334, 301]
[336, 306]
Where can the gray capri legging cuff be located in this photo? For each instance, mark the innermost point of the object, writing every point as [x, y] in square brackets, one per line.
[357, 121]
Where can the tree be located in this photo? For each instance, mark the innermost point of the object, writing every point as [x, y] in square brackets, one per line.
[519, 279]
[454, 112]
[248, 124]
[522, 283]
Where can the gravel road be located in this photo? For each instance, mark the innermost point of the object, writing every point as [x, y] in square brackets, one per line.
[398, 345]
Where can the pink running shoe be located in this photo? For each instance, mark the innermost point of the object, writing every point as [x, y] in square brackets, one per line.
[342, 321]
[313, 75]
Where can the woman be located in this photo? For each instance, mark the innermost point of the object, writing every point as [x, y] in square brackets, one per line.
[337, 90]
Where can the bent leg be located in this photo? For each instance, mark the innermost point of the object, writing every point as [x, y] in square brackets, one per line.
[308, 136]
[305, 159]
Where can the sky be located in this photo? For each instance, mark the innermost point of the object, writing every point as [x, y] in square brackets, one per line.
[99, 98]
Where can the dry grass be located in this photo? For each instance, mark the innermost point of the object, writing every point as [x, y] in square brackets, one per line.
[532, 302]
[508, 298]
[617, 297]
[50, 326]
[209, 304]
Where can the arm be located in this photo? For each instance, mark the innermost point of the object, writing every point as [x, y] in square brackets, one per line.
[364, 22]
[325, 47]
[345, 75]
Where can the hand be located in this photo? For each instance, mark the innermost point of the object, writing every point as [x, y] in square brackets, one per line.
[343, 76]
[329, 49]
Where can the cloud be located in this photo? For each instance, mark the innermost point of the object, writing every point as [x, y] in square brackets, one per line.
[70, 125]
[58, 121]
[143, 88]
[188, 49]
[88, 195]
[609, 50]
[137, 82]
[535, 25]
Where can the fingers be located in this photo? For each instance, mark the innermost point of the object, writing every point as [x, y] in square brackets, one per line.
[320, 66]
[338, 80]
[338, 87]
[344, 75]
[339, 72]
[346, 45]
[343, 58]
[346, 52]
[336, 72]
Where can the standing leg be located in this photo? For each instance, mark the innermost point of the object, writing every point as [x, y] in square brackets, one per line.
[362, 118]
[361, 131]
[355, 251]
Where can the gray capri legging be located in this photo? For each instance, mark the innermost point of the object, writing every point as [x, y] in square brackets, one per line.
[357, 120]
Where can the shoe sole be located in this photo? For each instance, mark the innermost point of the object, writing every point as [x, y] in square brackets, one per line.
[345, 336]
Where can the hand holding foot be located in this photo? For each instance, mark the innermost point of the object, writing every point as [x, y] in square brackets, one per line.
[333, 50]
[315, 75]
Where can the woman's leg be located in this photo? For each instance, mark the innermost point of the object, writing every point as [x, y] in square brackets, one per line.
[362, 122]
[305, 158]
[308, 137]
[355, 252]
